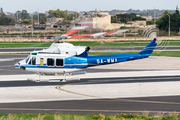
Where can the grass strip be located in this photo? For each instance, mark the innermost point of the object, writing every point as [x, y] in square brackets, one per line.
[155, 53]
[86, 43]
[23, 116]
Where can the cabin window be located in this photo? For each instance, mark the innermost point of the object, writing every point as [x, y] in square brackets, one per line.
[32, 61]
[41, 61]
[50, 62]
[59, 62]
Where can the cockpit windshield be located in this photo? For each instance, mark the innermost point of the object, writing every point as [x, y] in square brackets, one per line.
[27, 59]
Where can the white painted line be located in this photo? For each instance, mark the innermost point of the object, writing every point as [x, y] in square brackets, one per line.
[11, 59]
[95, 75]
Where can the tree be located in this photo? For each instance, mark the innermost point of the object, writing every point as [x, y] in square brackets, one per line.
[2, 17]
[124, 18]
[9, 20]
[50, 12]
[22, 15]
[63, 14]
[163, 22]
[42, 18]
[149, 22]
[26, 22]
[25, 15]
[113, 19]
[57, 14]
[6, 20]
[177, 10]
[17, 15]
[138, 18]
[2, 13]
[72, 16]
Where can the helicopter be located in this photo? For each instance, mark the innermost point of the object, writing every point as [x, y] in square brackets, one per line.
[67, 59]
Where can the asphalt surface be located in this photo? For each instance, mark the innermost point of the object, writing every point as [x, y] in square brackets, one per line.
[7, 66]
[93, 81]
[165, 104]
[106, 106]
[26, 50]
[12, 56]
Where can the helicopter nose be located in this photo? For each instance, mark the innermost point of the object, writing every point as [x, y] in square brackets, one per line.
[17, 65]
[20, 65]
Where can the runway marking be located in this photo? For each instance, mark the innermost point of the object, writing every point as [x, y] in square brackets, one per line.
[8, 70]
[7, 66]
[128, 100]
[112, 99]
[59, 88]
[12, 58]
[86, 110]
[119, 79]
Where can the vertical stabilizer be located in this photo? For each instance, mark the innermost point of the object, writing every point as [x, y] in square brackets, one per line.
[149, 48]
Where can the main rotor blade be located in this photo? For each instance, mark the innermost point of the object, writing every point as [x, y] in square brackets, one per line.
[75, 29]
[79, 27]
[116, 32]
[99, 34]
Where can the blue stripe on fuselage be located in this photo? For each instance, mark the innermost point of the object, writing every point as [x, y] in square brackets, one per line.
[83, 62]
[110, 59]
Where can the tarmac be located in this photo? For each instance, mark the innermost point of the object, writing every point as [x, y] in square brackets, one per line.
[150, 84]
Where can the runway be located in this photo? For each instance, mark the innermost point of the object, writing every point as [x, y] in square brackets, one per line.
[132, 87]
[150, 64]
[151, 105]
[92, 104]
[84, 81]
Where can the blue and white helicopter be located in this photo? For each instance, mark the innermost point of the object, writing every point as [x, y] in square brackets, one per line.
[67, 59]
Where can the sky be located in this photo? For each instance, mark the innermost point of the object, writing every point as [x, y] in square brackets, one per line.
[86, 5]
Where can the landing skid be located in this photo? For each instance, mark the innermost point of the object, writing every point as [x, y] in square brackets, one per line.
[53, 80]
[58, 80]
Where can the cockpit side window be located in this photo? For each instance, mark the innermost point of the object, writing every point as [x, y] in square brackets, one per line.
[32, 61]
[27, 59]
[29, 62]
[50, 62]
